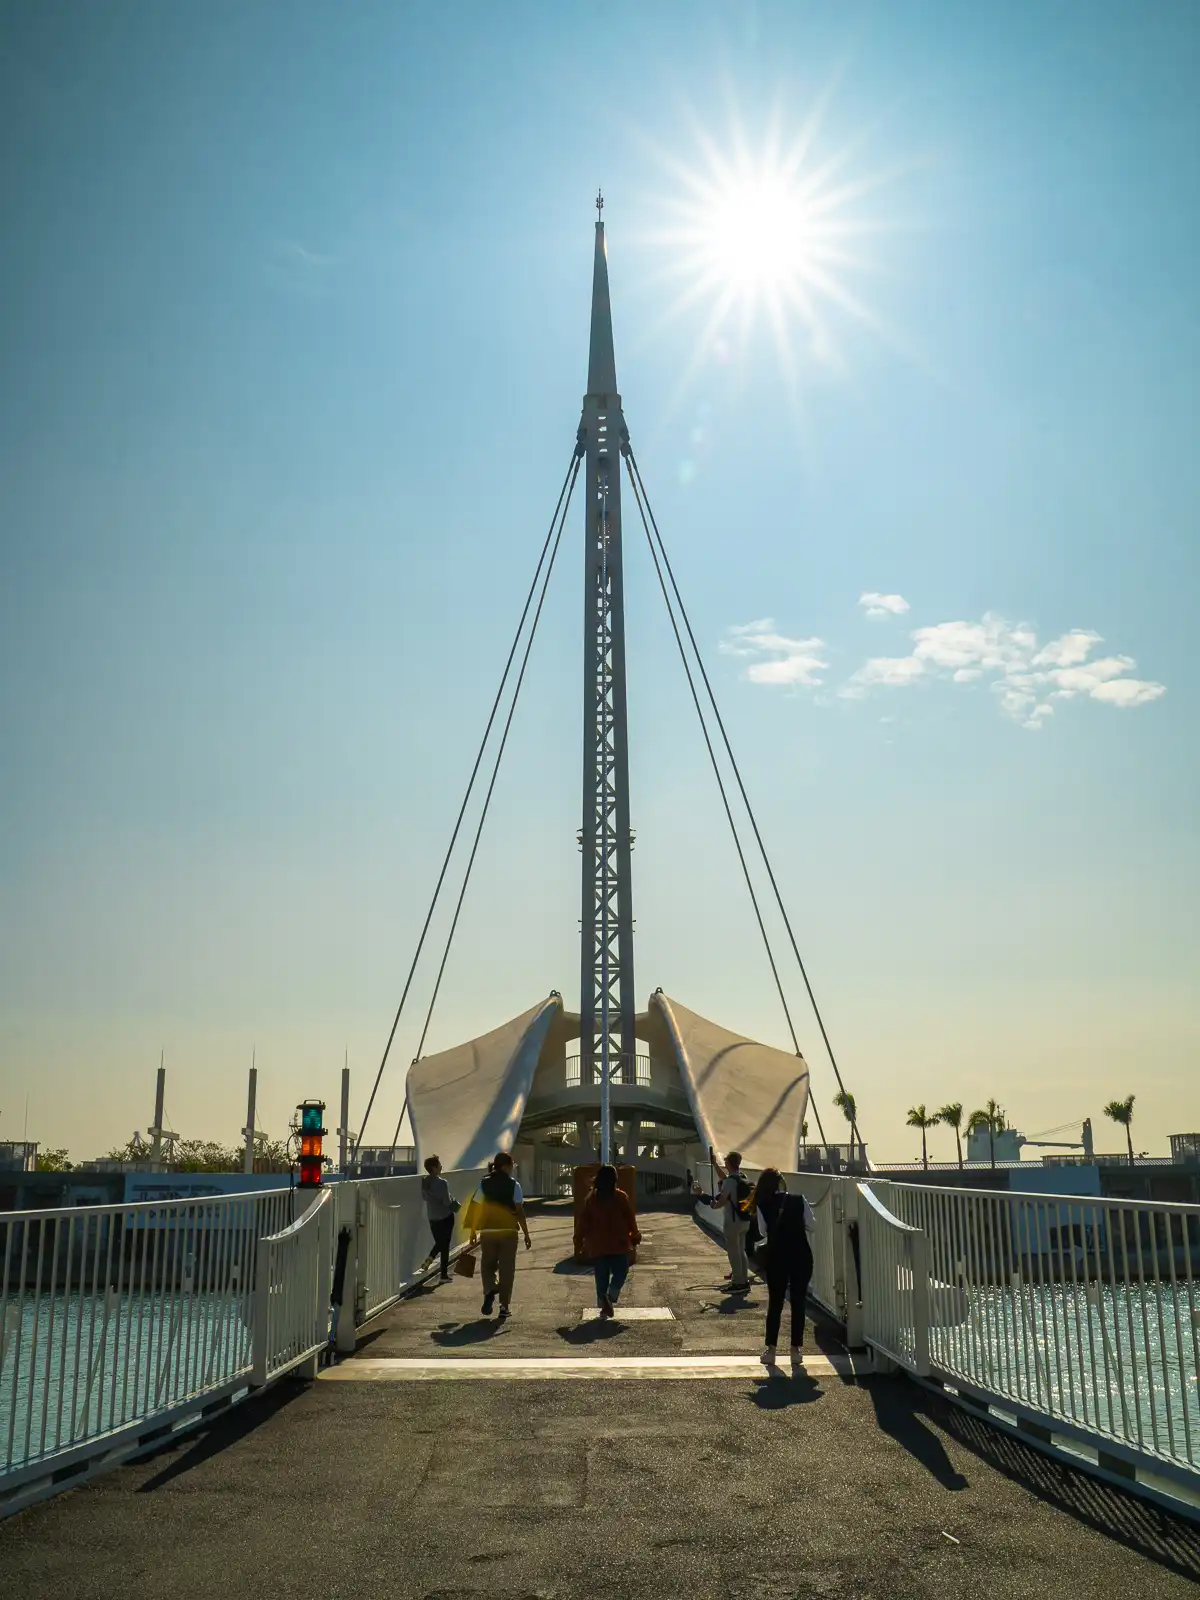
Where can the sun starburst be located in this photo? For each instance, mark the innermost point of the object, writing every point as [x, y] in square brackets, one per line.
[773, 232]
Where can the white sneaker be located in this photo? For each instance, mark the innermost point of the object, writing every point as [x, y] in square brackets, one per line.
[797, 1356]
[768, 1356]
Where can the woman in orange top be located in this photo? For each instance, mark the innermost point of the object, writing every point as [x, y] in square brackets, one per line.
[606, 1232]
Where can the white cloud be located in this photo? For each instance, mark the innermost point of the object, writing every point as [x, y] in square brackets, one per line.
[883, 605]
[893, 671]
[774, 658]
[1068, 651]
[1026, 679]
[1128, 692]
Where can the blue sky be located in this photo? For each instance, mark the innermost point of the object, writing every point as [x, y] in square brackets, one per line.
[293, 325]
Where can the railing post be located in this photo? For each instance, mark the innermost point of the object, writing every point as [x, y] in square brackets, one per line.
[349, 1203]
[850, 1266]
[262, 1312]
[920, 1303]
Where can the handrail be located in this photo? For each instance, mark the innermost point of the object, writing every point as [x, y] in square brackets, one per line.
[895, 1286]
[291, 1293]
[1080, 1309]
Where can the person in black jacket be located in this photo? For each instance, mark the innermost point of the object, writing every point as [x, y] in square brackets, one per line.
[786, 1222]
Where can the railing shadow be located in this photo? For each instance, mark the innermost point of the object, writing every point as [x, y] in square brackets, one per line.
[187, 1451]
[1137, 1524]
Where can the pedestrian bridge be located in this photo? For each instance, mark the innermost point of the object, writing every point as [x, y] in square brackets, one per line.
[987, 1379]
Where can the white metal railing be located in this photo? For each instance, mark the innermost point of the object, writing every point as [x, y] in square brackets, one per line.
[112, 1316]
[1077, 1309]
[828, 1286]
[394, 1237]
[895, 1285]
[617, 1072]
[291, 1291]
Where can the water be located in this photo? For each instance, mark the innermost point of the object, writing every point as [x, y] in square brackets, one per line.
[74, 1366]
[1120, 1362]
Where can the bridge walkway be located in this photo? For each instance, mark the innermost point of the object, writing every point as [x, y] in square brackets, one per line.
[725, 1482]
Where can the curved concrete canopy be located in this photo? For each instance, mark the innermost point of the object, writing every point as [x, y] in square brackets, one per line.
[744, 1096]
[466, 1103]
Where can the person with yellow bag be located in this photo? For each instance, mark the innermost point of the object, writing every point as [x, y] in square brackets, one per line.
[496, 1216]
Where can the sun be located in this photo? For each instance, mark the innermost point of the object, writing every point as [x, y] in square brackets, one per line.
[775, 230]
[756, 235]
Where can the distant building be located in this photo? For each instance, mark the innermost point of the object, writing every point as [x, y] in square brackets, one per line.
[1007, 1146]
[1185, 1148]
[18, 1155]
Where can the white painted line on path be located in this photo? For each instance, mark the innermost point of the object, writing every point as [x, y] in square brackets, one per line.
[630, 1314]
[574, 1369]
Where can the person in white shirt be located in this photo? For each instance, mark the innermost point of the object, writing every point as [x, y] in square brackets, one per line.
[731, 1197]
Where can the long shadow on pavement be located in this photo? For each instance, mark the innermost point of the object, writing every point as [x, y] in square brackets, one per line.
[778, 1390]
[211, 1438]
[590, 1332]
[1171, 1541]
[461, 1333]
[901, 1414]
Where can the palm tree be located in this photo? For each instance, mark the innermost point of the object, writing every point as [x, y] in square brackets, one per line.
[952, 1115]
[845, 1103]
[1122, 1111]
[991, 1118]
[918, 1117]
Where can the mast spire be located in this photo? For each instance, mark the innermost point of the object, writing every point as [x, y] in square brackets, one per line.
[607, 1000]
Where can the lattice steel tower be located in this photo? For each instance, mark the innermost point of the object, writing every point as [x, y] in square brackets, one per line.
[606, 991]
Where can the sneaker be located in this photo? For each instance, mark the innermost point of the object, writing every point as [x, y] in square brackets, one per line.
[606, 1308]
[797, 1356]
[445, 1278]
[489, 1300]
[768, 1356]
[739, 1288]
[505, 1313]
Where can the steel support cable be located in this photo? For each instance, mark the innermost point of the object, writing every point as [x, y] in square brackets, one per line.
[568, 481]
[635, 473]
[712, 756]
[565, 505]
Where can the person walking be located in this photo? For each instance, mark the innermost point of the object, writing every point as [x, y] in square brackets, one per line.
[440, 1206]
[731, 1198]
[498, 1214]
[606, 1233]
[786, 1222]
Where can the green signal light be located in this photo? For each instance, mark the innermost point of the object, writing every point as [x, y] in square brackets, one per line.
[310, 1116]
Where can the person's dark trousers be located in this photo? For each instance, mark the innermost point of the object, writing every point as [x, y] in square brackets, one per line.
[442, 1231]
[788, 1272]
[611, 1272]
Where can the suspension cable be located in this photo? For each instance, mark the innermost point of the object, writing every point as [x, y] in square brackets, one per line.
[635, 473]
[712, 756]
[567, 483]
[565, 504]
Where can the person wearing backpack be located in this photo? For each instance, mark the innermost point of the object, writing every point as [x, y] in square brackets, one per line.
[787, 1223]
[732, 1197]
[497, 1213]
